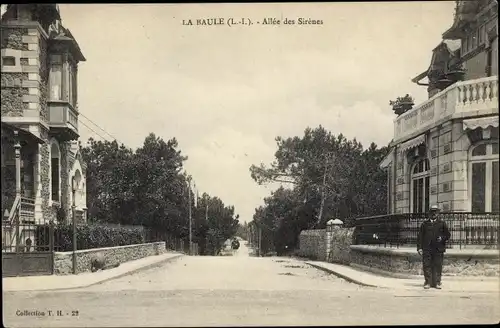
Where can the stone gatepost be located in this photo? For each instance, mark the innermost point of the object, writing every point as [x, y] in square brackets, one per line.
[331, 226]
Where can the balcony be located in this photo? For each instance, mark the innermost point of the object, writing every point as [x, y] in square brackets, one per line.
[461, 100]
[63, 120]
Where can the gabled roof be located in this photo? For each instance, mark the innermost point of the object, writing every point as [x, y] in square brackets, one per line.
[453, 47]
[65, 35]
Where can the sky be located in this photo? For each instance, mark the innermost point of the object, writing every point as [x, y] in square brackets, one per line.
[225, 92]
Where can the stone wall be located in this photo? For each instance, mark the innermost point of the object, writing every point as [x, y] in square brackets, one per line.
[12, 38]
[48, 212]
[13, 93]
[340, 240]
[67, 161]
[312, 244]
[44, 81]
[406, 262]
[63, 261]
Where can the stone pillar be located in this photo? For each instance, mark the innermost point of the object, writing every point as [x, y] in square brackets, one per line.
[38, 186]
[331, 226]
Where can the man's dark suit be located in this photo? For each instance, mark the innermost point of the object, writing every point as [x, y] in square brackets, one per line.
[432, 238]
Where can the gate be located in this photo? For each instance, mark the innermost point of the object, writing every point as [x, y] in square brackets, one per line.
[27, 248]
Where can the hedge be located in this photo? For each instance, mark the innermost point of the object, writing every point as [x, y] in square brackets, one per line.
[91, 236]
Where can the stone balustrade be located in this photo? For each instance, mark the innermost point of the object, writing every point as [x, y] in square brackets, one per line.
[462, 99]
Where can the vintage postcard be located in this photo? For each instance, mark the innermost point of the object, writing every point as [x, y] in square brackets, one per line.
[250, 164]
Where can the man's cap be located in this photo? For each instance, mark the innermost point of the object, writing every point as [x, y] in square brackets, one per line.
[434, 208]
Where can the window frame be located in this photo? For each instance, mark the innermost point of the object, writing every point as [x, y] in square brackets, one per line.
[56, 60]
[51, 200]
[423, 175]
[488, 159]
[4, 58]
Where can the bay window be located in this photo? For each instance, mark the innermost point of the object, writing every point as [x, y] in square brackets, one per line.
[56, 78]
[62, 79]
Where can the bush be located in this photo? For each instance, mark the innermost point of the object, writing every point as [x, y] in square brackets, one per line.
[95, 236]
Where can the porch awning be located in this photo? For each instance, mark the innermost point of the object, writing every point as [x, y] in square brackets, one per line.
[410, 144]
[23, 133]
[387, 159]
[482, 123]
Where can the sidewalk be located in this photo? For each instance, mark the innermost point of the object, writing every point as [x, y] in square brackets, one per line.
[450, 283]
[59, 282]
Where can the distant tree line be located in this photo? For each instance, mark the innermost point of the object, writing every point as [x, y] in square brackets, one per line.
[322, 177]
[148, 187]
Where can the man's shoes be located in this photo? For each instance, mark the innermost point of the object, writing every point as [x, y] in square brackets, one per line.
[438, 286]
[427, 286]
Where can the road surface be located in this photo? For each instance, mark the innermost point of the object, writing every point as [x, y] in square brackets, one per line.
[242, 291]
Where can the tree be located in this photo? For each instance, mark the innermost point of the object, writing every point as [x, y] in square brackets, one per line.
[326, 176]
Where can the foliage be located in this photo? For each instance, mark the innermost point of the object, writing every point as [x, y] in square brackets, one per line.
[324, 176]
[407, 99]
[147, 187]
[92, 236]
[214, 223]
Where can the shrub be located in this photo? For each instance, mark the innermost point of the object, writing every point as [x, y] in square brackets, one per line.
[94, 236]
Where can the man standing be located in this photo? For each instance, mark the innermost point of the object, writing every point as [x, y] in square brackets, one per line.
[431, 244]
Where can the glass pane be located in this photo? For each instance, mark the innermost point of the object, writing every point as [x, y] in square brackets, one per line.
[494, 149]
[389, 189]
[415, 196]
[55, 82]
[55, 179]
[420, 195]
[479, 150]
[478, 187]
[494, 188]
[70, 84]
[427, 183]
[8, 61]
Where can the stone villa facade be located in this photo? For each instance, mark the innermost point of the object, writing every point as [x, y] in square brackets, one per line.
[40, 150]
[445, 150]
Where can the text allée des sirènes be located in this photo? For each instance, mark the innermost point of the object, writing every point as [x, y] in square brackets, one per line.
[247, 21]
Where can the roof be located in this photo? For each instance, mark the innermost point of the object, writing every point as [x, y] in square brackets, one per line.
[66, 36]
[451, 45]
[22, 132]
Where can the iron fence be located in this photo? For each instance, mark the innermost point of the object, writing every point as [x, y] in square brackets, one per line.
[172, 243]
[27, 237]
[399, 230]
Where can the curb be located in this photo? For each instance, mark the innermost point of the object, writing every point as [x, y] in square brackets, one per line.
[349, 279]
[146, 267]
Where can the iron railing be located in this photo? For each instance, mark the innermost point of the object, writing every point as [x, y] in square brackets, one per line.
[171, 242]
[400, 230]
[27, 237]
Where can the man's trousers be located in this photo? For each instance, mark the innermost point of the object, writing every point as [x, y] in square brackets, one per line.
[432, 262]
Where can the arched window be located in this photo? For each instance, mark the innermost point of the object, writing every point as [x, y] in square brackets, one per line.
[420, 179]
[55, 171]
[78, 179]
[483, 178]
